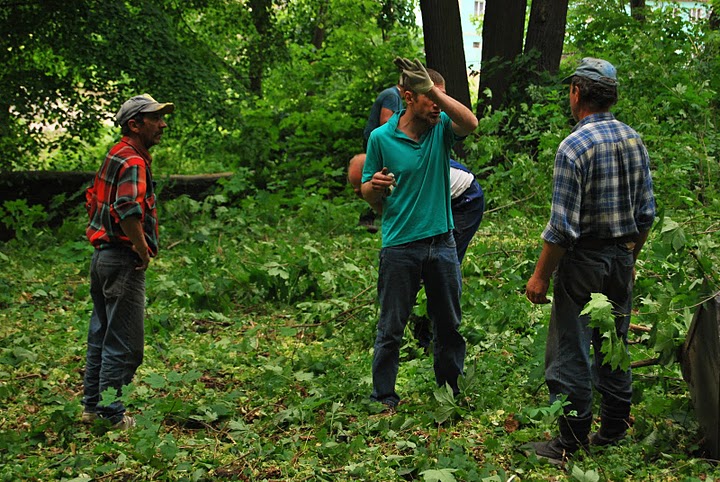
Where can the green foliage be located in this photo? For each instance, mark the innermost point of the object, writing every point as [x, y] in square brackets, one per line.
[602, 315]
[259, 330]
[278, 88]
[20, 218]
[667, 69]
[545, 415]
[261, 305]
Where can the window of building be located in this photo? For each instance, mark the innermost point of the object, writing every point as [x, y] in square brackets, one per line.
[476, 45]
[479, 7]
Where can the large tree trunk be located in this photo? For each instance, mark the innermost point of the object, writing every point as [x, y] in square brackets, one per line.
[444, 46]
[503, 29]
[546, 33]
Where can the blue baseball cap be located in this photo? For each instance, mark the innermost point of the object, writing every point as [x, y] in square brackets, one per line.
[598, 70]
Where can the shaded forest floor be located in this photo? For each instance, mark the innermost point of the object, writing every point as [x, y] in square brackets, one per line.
[259, 333]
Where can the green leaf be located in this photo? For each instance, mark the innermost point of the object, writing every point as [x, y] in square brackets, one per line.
[438, 475]
[173, 376]
[581, 476]
[155, 380]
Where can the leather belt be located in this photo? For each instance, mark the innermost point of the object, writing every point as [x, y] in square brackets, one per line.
[599, 243]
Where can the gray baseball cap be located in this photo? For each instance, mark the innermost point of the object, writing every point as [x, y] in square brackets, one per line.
[598, 70]
[140, 104]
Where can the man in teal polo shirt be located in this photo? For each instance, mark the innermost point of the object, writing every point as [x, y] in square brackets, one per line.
[407, 177]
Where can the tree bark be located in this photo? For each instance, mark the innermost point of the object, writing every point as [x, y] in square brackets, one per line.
[444, 46]
[319, 31]
[261, 14]
[546, 33]
[714, 17]
[503, 30]
[637, 8]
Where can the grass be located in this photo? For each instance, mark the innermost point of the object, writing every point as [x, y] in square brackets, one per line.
[259, 332]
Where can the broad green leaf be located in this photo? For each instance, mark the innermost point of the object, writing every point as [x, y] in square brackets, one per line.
[438, 475]
[155, 380]
[303, 376]
[581, 476]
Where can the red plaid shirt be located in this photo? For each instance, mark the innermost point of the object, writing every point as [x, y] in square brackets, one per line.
[122, 187]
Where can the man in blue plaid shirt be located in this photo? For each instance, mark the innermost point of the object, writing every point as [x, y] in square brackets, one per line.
[602, 210]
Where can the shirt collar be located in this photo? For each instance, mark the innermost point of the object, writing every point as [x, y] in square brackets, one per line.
[139, 148]
[597, 117]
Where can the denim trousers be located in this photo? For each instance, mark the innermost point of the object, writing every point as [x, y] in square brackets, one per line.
[467, 218]
[116, 332]
[569, 369]
[434, 261]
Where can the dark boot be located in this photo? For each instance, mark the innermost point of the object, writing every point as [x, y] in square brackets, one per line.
[573, 436]
[612, 430]
[574, 430]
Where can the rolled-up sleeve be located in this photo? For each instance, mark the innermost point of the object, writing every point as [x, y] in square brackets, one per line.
[564, 225]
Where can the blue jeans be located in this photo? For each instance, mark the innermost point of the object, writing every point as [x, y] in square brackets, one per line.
[568, 367]
[433, 260]
[116, 333]
[467, 217]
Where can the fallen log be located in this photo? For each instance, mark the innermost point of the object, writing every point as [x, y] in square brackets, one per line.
[41, 187]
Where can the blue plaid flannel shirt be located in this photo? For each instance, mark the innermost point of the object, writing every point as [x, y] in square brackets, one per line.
[602, 187]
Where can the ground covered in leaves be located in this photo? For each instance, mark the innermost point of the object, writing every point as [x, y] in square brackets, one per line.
[259, 333]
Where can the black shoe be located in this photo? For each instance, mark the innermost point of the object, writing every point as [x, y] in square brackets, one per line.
[554, 451]
[601, 440]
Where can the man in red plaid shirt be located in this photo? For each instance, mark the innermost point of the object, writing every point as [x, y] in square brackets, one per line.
[123, 229]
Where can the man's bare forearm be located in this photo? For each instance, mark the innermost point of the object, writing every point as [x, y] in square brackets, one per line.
[464, 121]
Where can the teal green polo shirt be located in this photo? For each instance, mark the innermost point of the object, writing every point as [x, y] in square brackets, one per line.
[419, 206]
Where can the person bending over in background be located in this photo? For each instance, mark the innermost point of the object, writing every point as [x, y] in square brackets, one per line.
[386, 104]
[406, 177]
[602, 210]
[123, 229]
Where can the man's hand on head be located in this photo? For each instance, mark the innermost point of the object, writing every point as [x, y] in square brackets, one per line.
[418, 80]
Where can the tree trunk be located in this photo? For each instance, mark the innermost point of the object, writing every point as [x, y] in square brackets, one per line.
[637, 8]
[714, 17]
[503, 29]
[319, 31]
[444, 46]
[260, 12]
[546, 33]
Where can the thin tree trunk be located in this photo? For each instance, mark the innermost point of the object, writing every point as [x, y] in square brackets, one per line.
[637, 10]
[260, 12]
